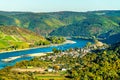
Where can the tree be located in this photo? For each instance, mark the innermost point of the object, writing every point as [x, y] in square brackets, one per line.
[55, 50]
[88, 44]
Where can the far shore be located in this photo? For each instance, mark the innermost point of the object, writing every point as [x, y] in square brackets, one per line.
[66, 42]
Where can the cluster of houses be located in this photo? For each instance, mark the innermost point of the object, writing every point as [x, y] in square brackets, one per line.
[75, 53]
[80, 52]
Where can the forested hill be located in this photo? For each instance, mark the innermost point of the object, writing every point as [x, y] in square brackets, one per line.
[99, 24]
[95, 23]
[112, 39]
[17, 38]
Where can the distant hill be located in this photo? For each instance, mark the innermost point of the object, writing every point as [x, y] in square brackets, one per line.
[66, 23]
[11, 37]
[93, 24]
[112, 39]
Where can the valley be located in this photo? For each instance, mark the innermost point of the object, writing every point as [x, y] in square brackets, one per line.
[61, 45]
[93, 23]
[74, 63]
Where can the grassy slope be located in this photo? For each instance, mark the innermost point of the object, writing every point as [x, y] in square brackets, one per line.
[10, 36]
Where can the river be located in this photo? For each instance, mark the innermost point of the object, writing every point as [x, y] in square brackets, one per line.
[17, 56]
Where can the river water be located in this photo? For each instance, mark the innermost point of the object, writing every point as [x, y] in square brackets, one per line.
[79, 44]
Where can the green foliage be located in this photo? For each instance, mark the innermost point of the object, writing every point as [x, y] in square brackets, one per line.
[98, 66]
[103, 65]
[39, 43]
[88, 44]
[3, 44]
[94, 23]
[56, 40]
[56, 50]
[18, 38]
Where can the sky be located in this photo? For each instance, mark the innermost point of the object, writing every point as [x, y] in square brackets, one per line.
[58, 5]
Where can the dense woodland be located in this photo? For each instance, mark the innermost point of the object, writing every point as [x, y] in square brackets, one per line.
[95, 23]
[104, 65]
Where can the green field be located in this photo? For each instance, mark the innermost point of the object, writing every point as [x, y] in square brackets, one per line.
[17, 38]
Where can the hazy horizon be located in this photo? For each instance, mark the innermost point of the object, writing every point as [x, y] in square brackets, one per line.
[57, 11]
[58, 5]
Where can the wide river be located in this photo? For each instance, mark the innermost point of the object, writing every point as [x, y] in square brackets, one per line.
[15, 56]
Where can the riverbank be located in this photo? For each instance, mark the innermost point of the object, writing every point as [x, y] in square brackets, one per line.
[79, 44]
[66, 42]
[10, 59]
[38, 54]
[28, 55]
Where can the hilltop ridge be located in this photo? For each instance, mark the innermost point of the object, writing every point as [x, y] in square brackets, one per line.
[101, 24]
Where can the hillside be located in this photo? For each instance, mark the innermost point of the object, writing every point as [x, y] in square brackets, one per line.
[17, 38]
[112, 39]
[92, 23]
[42, 23]
[98, 65]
